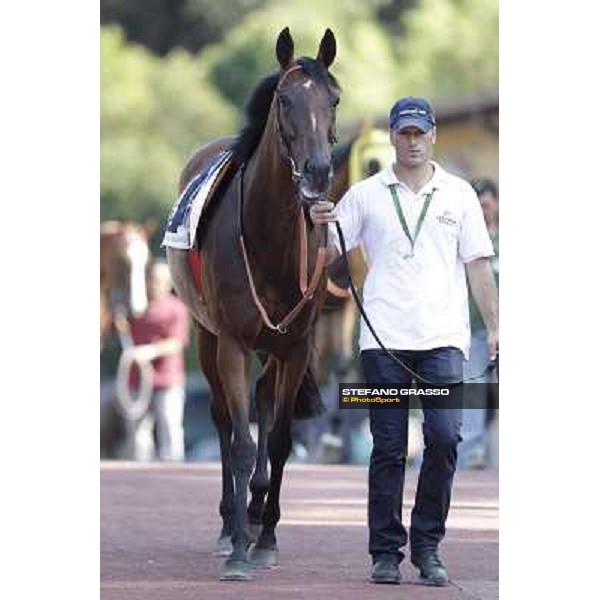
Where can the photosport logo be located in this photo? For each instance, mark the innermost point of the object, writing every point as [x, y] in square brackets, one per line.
[461, 395]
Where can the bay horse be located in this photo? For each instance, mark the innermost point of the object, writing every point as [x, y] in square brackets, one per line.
[263, 283]
[124, 258]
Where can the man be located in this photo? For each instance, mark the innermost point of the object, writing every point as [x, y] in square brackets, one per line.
[160, 335]
[472, 452]
[420, 228]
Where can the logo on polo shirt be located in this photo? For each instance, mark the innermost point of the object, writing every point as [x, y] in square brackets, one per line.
[447, 218]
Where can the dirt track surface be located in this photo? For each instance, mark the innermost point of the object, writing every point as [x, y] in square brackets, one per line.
[159, 525]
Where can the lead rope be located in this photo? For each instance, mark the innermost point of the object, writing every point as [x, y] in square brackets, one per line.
[131, 408]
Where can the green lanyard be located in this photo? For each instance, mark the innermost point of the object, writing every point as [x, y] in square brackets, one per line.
[398, 206]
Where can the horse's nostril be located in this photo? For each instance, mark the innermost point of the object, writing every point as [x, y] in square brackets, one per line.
[317, 174]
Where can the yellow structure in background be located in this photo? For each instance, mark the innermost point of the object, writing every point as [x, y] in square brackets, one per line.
[468, 148]
[371, 152]
[370, 147]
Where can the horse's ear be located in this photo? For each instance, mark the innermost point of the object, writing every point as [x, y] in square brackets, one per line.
[327, 48]
[285, 48]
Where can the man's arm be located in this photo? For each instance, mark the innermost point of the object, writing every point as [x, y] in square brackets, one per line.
[148, 352]
[485, 294]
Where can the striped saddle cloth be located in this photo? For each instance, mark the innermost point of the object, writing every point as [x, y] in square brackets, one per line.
[182, 229]
[184, 218]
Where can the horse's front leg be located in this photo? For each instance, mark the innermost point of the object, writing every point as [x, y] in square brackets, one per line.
[259, 484]
[265, 552]
[232, 362]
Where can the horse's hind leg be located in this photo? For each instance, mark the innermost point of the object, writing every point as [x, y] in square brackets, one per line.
[265, 552]
[259, 484]
[232, 364]
[207, 353]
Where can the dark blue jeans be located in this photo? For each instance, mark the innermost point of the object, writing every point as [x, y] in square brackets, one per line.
[389, 427]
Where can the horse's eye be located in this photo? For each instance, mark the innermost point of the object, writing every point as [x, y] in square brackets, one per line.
[335, 102]
[284, 101]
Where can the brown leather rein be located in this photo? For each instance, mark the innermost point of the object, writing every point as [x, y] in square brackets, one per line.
[306, 288]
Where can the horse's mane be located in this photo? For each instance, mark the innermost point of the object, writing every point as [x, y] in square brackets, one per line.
[258, 104]
[256, 111]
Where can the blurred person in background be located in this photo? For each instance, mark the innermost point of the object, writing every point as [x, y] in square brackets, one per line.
[160, 335]
[472, 452]
[422, 229]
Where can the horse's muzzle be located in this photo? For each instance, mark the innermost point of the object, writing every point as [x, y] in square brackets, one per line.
[316, 180]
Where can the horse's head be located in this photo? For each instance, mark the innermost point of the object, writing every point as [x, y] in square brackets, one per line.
[305, 100]
[124, 258]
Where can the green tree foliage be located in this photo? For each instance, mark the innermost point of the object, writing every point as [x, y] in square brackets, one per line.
[162, 25]
[154, 113]
[447, 48]
[450, 48]
[364, 60]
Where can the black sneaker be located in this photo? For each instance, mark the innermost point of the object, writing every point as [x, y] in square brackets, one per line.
[431, 568]
[385, 569]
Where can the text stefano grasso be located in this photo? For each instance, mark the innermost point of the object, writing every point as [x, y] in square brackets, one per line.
[396, 391]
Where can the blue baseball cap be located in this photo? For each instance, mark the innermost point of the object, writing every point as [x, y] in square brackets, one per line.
[412, 112]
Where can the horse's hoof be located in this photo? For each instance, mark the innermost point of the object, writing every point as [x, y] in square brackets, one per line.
[224, 546]
[264, 557]
[254, 531]
[237, 570]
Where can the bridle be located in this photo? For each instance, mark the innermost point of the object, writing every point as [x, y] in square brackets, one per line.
[284, 142]
[307, 288]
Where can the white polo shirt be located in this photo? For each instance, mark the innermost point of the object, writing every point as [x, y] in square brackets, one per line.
[421, 302]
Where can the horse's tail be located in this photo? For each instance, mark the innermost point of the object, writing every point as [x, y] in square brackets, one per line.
[309, 403]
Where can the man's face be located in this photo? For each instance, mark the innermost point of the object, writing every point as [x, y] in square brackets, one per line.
[413, 147]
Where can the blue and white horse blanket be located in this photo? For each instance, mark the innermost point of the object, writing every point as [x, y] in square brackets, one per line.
[185, 215]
